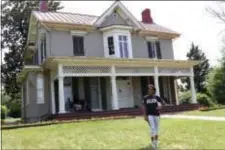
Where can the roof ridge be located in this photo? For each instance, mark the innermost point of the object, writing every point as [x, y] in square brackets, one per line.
[67, 13]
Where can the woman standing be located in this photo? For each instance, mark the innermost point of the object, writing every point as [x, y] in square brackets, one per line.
[151, 106]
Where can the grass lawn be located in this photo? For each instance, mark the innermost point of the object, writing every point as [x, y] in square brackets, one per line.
[217, 112]
[117, 134]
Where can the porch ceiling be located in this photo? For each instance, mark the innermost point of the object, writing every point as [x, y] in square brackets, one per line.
[52, 62]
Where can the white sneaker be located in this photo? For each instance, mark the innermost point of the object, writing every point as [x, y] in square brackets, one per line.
[154, 145]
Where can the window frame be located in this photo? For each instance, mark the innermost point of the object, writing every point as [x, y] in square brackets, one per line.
[40, 89]
[154, 48]
[78, 52]
[115, 33]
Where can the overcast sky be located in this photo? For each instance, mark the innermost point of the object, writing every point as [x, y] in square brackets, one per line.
[186, 17]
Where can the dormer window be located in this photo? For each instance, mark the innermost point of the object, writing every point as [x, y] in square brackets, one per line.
[123, 46]
[117, 41]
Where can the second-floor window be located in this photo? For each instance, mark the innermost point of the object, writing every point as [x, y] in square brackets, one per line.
[111, 45]
[78, 46]
[154, 50]
[43, 48]
[123, 46]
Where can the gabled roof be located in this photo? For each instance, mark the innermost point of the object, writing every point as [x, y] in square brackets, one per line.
[118, 4]
[63, 17]
[84, 19]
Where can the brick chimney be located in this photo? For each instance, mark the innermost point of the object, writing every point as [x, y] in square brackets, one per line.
[146, 16]
[43, 6]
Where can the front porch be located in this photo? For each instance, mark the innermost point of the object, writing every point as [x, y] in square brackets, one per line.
[95, 93]
[115, 84]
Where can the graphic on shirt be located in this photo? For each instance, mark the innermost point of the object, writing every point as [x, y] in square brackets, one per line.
[151, 103]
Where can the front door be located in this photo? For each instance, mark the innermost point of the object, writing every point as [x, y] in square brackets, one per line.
[95, 93]
[125, 92]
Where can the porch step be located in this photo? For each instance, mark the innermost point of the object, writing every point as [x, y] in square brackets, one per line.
[122, 112]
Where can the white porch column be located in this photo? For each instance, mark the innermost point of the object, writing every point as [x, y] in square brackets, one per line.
[62, 108]
[115, 105]
[176, 92]
[52, 94]
[156, 81]
[193, 93]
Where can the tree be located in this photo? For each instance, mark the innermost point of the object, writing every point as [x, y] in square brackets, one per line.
[218, 12]
[15, 22]
[200, 71]
[216, 86]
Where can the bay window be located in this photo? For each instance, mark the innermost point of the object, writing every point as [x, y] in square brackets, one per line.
[123, 46]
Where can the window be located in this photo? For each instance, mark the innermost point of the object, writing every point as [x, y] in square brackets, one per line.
[111, 45]
[43, 48]
[154, 49]
[123, 46]
[40, 89]
[78, 46]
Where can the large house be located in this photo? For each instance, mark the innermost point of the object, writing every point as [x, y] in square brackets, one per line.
[106, 61]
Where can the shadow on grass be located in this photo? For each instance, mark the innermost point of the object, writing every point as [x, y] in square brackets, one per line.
[146, 148]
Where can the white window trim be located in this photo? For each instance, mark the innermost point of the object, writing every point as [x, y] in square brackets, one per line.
[153, 40]
[40, 89]
[41, 33]
[116, 33]
[78, 33]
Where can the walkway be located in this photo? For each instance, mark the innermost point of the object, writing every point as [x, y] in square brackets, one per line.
[194, 117]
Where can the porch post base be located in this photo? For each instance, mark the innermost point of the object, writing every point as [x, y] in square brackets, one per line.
[62, 112]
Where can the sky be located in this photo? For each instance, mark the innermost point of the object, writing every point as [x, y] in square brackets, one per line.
[189, 18]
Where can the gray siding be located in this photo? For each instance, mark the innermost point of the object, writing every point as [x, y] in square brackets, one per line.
[31, 108]
[111, 20]
[62, 44]
[140, 49]
[167, 49]
[34, 111]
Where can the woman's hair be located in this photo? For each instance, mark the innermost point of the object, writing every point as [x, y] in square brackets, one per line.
[152, 87]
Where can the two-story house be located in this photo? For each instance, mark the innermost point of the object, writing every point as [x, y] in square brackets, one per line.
[107, 61]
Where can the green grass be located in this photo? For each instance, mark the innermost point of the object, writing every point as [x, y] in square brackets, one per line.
[12, 120]
[217, 112]
[117, 134]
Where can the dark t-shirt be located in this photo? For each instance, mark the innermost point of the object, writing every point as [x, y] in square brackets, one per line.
[150, 102]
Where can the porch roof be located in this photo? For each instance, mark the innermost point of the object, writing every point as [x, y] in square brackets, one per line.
[52, 62]
[28, 68]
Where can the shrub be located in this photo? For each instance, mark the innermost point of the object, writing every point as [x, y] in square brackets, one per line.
[15, 110]
[204, 100]
[185, 97]
[3, 112]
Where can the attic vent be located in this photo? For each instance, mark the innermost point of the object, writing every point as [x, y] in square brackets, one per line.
[115, 14]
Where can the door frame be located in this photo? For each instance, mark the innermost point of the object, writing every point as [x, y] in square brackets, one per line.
[71, 93]
[132, 91]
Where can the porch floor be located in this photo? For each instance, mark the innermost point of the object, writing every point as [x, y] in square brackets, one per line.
[122, 112]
